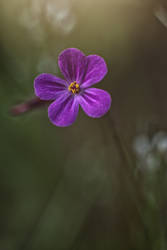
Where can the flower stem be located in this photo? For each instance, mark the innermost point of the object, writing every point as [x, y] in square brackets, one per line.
[27, 106]
[128, 161]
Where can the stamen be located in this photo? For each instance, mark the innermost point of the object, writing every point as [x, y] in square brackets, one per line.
[74, 87]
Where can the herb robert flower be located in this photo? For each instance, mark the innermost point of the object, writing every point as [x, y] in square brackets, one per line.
[80, 73]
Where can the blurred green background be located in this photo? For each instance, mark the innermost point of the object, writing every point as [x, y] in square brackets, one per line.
[101, 183]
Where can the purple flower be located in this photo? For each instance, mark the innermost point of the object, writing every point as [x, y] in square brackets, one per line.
[80, 73]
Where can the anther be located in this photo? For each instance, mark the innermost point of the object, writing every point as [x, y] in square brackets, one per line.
[74, 87]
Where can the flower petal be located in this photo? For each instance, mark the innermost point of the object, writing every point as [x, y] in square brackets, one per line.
[96, 70]
[72, 63]
[95, 102]
[48, 86]
[63, 114]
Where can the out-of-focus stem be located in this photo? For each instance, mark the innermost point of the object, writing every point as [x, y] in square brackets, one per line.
[27, 106]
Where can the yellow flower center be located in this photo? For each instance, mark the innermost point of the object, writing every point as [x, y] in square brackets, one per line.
[74, 87]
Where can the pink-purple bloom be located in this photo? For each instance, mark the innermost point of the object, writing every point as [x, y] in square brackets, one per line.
[80, 73]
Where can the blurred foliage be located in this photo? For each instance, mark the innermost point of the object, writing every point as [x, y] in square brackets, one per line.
[101, 183]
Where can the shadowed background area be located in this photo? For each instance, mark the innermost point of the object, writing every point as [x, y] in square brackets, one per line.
[101, 183]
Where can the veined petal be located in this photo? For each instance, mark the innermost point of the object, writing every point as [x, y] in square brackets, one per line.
[72, 63]
[48, 86]
[95, 102]
[95, 72]
[63, 114]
